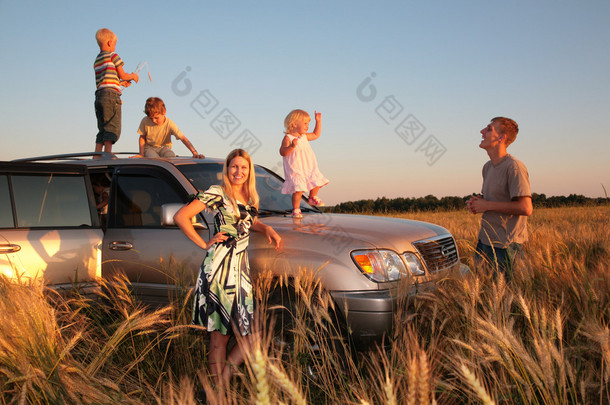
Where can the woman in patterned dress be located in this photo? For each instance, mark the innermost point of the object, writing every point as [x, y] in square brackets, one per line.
[224, 301]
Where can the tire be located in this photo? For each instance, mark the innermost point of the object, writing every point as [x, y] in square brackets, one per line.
[306, 329]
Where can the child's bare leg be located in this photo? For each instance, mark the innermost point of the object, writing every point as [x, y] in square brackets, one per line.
[314, 192]
[296, 200]
[217, 356]
[98, 148]
[108, 146]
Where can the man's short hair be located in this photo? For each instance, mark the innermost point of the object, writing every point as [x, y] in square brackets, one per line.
[507, 127]
[154, 106]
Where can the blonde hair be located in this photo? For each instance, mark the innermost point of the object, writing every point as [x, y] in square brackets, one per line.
[104, 35]
[293, 117]
[507, 127]
[251, 193]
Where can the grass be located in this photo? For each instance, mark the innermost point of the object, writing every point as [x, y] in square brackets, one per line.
[542, 339]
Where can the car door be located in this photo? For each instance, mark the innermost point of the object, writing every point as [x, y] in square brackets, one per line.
[155, 258]
[49, 228]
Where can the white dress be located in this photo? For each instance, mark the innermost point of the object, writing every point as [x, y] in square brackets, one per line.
[301, 168]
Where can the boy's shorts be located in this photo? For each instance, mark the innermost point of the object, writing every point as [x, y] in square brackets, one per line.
[158, 152]
[108, 112]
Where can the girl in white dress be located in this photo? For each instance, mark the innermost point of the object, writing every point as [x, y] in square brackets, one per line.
[300, 165]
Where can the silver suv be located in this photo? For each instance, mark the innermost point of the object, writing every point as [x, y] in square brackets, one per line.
[50, 228]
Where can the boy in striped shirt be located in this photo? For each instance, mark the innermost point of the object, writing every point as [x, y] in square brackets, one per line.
[109, 77]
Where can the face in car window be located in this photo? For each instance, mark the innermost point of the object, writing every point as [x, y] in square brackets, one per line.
[139, 199]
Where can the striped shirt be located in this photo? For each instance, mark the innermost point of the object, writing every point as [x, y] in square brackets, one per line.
[105, 67]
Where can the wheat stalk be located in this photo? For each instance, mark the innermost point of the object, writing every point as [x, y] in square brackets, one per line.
[424, 376]
[287, 384]
[388, 389]
[476, 386]
[260, 374]
[413, 373]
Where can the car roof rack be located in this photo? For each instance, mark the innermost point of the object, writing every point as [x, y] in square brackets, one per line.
[76, 156]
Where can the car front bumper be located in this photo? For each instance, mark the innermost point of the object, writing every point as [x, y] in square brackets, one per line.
[370, 314]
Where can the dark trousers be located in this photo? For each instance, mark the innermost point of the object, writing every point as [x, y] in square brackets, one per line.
[500, 260]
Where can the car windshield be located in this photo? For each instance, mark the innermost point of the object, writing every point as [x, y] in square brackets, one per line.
[268, 185]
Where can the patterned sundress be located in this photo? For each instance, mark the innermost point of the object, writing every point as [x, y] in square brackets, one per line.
[223, 293]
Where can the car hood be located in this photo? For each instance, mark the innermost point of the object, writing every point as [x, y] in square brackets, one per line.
[323, 242]
[356, 231]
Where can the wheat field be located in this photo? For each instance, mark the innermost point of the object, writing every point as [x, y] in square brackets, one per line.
[544, 338]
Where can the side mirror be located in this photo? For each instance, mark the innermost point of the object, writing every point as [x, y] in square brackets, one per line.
[169, 210]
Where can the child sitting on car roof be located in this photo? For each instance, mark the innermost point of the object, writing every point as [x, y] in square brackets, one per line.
[156, 131]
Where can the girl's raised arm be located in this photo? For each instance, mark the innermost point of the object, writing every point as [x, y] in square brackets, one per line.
[317, 129]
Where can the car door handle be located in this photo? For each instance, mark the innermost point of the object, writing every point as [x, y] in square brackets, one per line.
[120, 245]
[9, 248]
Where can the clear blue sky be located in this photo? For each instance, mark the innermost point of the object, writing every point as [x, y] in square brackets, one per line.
[438, 70]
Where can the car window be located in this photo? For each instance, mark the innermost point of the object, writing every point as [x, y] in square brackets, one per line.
[6, 209]
[139, 198]
[51, 200]
[269, 189]
[268, 185]
[202, 176]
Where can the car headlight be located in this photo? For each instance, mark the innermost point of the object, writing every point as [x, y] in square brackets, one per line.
[414, 264]
[380, 265]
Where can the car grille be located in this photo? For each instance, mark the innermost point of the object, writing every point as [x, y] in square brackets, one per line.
[438, 253]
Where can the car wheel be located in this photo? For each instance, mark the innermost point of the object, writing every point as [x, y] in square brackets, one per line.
[306, 329]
